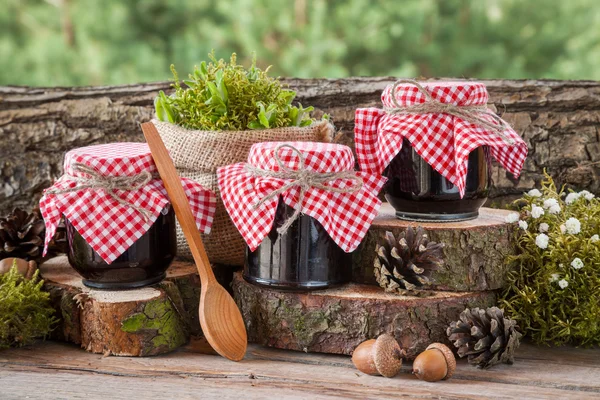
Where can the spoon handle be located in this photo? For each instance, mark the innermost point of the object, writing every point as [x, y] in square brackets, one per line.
[179, 201]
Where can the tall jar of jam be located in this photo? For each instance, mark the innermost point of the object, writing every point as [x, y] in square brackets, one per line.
[120, 226]
[302, 209]
[434, 141]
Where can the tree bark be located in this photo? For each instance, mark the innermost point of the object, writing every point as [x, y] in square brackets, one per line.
[474, 251]
[142, 322]
[558, 120]
[338, 320]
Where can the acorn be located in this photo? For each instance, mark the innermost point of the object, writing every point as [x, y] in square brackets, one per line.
[24, 267]
[381, 356]
[436, 363]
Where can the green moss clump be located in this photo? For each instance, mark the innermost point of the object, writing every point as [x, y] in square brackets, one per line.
[554, 293]
[25, 311]
[227, 96]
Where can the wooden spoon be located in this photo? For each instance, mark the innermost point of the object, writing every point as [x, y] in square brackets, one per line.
[221, 321]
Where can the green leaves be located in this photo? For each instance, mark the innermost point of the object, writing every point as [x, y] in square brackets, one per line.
[226, 96]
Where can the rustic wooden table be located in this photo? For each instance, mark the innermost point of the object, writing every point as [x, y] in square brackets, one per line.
[53, 370]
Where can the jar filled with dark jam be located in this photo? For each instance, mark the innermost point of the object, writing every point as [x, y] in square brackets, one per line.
[304, 258]
[418, 192]
[144, 263]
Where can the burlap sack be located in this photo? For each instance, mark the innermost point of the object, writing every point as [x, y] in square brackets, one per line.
[198, 154]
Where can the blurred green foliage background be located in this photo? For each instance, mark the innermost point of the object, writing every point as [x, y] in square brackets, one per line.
[93, 42]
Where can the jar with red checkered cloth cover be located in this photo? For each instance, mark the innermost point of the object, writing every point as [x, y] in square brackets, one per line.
[120, 226]
[434, 141]
[301, 208]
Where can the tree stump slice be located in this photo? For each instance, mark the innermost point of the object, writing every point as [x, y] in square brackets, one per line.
[338, 320]
[474, 254]
[139, 322]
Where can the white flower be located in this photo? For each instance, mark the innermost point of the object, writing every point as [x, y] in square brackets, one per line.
[571, 197]
[554, 277]
[561, 265]
[534, 193]
[536, 211]
[577, 263]
[586, 194]
[563, 228]
[544, 227]
[573, 226]
[563, 283]
[523, 225]
[554, 209]
[542, 240]
[550, 202]
[595, 239]
[512, 218]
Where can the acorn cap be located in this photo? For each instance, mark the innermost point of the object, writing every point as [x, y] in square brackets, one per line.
[387, 355]
[448, 355]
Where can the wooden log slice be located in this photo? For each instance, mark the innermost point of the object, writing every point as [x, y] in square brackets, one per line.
[474, 254]
[338, 320]
[140, 322]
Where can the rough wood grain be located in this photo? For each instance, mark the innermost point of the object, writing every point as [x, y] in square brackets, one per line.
[474, 251]
[62, 371]
[338, 320]
[558, 120]
[141, 322]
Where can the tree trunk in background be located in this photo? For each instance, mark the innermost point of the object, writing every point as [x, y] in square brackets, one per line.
[558, 120]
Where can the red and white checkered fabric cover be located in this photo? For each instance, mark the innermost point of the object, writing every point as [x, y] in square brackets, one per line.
[443, 140]
[109, 227]
[345, 216]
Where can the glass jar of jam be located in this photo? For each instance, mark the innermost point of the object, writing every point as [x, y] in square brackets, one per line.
[121, 229]
[304, 258]
[418, 192]
[144, 263]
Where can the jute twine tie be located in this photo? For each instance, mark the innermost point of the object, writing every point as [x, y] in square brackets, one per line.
[108, 184]
[472, 113]
[303, 178]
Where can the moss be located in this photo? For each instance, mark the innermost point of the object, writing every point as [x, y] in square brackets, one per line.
[25, 310]
[160, 322]
[554, 292]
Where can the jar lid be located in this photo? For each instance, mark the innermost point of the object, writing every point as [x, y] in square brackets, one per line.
[318, 157]
[111, 159]
[111, 195]
[316, 179]
[443, 121]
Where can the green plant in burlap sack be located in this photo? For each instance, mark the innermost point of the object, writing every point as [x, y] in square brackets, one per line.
[25, 311]
[213, 120]
[227, 96]
[554, 292]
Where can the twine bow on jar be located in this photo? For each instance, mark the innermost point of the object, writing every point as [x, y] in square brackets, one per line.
[304, 178]
[469, 113]
[108, 184]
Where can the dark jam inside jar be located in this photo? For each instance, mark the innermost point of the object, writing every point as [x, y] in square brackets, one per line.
[305, 258]
[418, 192]
[144, 263]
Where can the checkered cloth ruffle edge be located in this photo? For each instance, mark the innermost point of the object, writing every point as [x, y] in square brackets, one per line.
[444, 141]
[345, 216]
[108, 226]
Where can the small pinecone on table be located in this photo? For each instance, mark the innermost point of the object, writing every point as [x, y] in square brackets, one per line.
[21, 235]
[485, 336]
[406, 265]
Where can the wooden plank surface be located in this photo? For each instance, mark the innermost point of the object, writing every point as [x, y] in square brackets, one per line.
[54, 370]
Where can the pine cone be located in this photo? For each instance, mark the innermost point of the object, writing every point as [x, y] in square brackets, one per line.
[21, 235]
[485, 336]
[407, 264]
